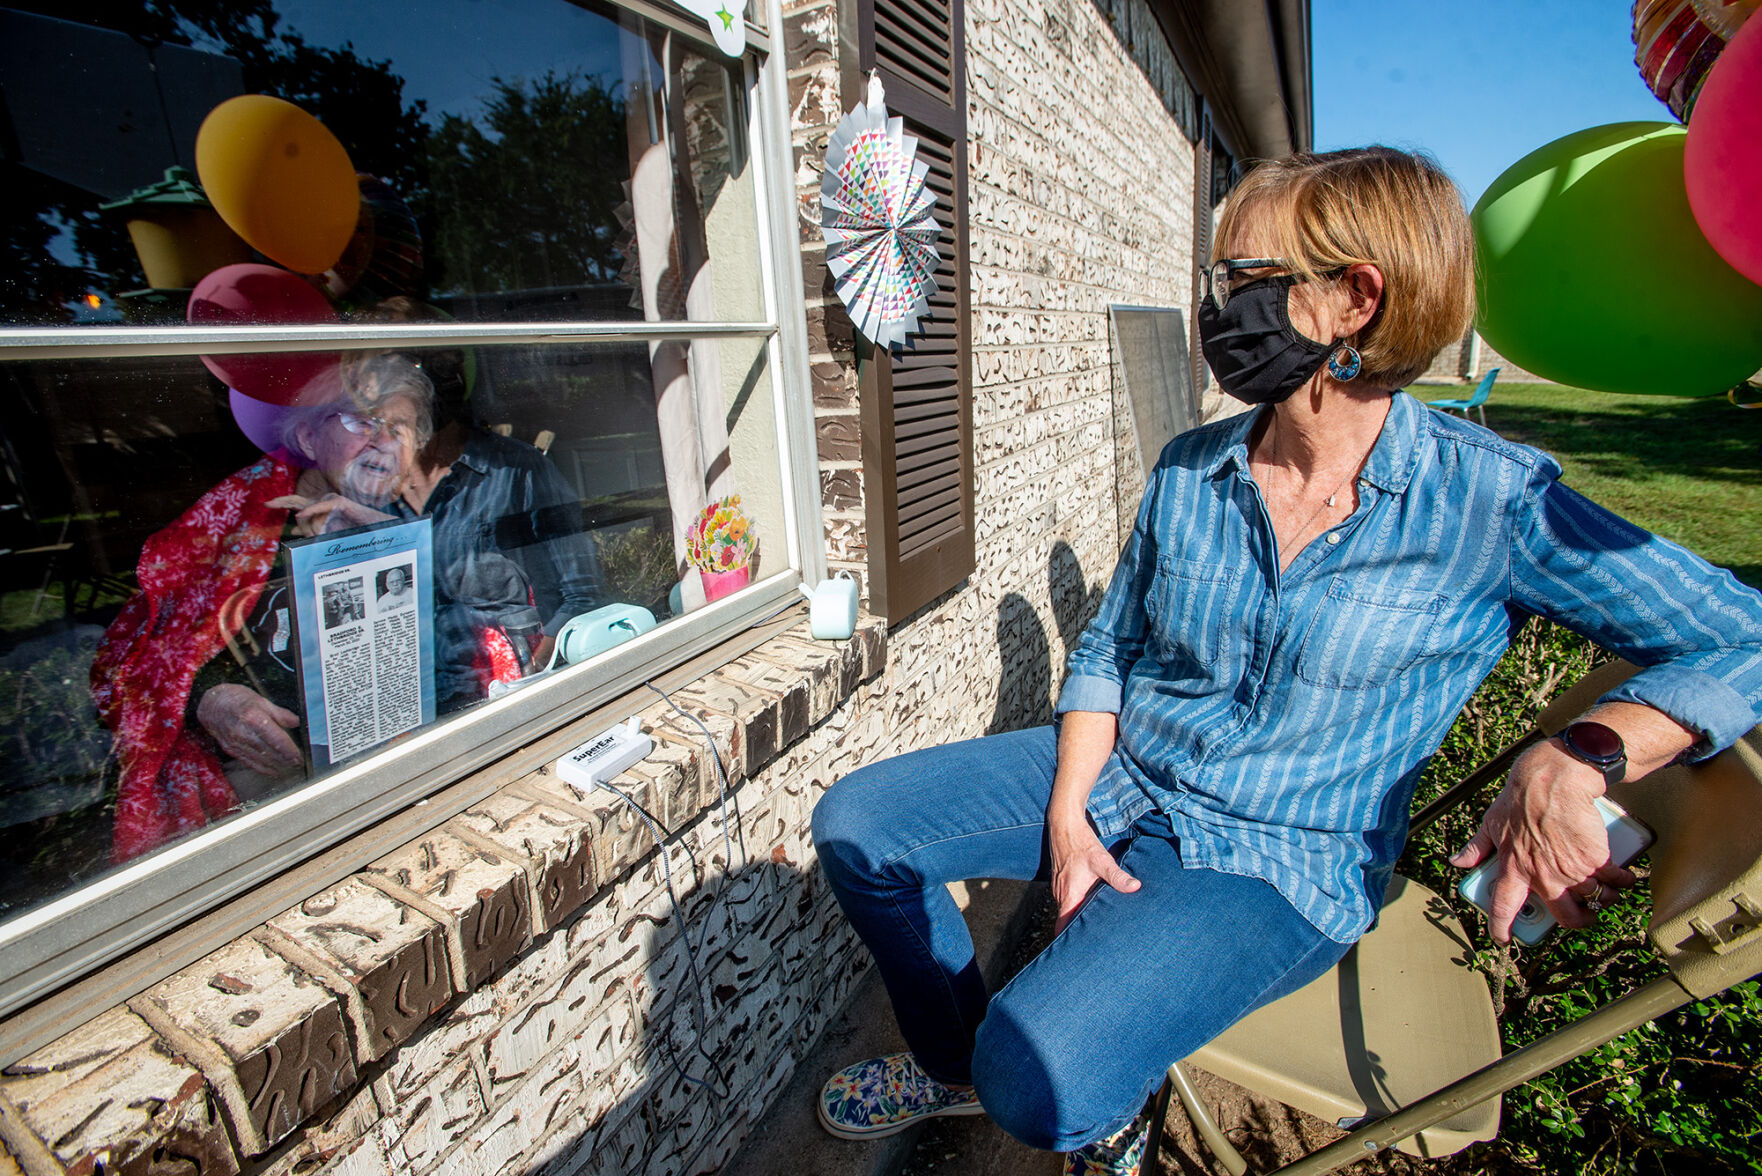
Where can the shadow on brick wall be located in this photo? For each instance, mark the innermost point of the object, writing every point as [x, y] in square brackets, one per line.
[1028, 689]
[688, 1050]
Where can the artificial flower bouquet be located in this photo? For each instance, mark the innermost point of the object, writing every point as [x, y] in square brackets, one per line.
[721, 546]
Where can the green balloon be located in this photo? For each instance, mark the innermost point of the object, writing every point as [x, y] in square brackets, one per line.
[1592, 271]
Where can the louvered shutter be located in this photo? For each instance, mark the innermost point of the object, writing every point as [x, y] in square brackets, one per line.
[917, 402]
[1202, 228]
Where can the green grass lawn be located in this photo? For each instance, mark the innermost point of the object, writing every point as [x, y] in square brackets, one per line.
[1690, 470]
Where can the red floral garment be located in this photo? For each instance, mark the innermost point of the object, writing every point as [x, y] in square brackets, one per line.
[218, 553]
[494, 659]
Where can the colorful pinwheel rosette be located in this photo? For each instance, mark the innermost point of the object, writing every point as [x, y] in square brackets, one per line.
[879, 220]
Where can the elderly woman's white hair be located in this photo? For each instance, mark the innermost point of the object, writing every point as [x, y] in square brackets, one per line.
[365, 385]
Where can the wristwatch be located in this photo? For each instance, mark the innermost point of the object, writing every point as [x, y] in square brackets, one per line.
[1597, 745]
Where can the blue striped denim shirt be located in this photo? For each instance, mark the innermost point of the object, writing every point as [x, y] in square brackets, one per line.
[1281, 721]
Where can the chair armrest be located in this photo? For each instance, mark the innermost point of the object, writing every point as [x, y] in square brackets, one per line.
[1706, 874]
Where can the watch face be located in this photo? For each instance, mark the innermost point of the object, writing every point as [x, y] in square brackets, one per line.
[1595, 740]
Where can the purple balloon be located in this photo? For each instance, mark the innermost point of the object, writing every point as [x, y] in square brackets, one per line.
[261, 422]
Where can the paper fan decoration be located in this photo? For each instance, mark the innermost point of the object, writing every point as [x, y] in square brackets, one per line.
[879, 219]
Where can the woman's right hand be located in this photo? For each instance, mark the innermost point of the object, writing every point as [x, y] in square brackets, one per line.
[328, 512]
[250, 728]
[1079, 864]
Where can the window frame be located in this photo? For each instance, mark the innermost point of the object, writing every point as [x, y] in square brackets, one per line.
[49, 947]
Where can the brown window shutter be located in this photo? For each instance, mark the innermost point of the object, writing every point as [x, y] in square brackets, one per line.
[1202, 229]
[917, 402]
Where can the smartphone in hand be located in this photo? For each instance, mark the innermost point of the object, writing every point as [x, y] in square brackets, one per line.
[1628, 838]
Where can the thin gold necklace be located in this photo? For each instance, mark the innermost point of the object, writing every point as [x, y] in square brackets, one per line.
[1326, 502]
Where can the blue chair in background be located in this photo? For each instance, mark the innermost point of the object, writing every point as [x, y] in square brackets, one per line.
[1475, 402]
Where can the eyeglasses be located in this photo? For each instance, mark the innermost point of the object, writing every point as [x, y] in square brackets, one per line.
[1216, 278]
[362, 425]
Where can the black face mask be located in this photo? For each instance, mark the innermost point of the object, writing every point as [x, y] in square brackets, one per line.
[1256, 354]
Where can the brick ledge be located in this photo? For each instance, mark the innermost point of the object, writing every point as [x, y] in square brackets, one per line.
[226, 1059]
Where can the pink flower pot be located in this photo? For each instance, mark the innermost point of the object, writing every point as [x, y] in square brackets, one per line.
[720, 584]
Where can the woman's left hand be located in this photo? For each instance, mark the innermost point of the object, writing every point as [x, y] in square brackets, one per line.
[1549, 838]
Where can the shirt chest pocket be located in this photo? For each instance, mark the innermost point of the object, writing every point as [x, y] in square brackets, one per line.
[1364, 638]
[1188, 605]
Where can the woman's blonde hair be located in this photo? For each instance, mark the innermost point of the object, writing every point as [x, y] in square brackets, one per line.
[1392, 209]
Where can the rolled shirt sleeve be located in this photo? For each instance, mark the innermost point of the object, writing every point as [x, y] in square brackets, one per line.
[1694, 630]
[572, 571]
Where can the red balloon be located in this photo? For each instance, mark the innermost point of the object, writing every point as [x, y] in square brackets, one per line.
[260, 295]
[1722, 160]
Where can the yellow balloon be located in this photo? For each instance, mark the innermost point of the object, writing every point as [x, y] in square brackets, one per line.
[280, 179]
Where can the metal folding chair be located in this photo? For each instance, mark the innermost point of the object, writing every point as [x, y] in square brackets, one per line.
[1398, 1042]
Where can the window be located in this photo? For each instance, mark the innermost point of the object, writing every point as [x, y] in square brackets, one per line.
[356, 439]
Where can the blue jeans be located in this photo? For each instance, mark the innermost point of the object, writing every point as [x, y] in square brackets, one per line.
[1068, 1050]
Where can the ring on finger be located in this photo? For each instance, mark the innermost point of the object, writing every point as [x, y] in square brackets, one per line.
[1594, 903]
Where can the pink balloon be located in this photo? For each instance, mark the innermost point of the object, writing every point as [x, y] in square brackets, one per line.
[1722, 160]
[259, 295]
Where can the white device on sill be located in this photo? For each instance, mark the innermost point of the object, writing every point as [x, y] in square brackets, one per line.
[604, 756]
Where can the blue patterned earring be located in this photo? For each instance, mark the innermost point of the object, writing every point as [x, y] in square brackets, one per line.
[1345, 363]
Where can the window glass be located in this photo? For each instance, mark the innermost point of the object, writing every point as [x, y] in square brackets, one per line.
[577, 162]
[152, 612]
[223, 575]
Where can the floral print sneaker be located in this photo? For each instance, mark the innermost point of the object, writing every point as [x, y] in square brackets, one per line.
[1120, 1154]
[884, 1095]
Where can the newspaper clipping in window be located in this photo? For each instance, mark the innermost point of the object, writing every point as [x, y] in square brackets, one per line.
[364, 611]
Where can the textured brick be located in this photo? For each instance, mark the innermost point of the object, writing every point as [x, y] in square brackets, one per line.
[350, 1141]
[269, 1037]
[674, 793]
[834, 386]
[553, 845]
[841, 489]
[726, 740]
[790, 689]
[618, 835]
[810, 36]
[871, 634]
[550, 1096]
[112, 1096]
[818, 663]
[481, 899]
[391, 959]
[434, 1118]
[435, 1047]
[840, 438]
[753, 707]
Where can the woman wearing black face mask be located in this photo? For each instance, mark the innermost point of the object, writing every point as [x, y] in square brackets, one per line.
[1311, 593]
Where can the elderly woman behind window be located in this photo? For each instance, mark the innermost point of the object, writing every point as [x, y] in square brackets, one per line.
[199, 664]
